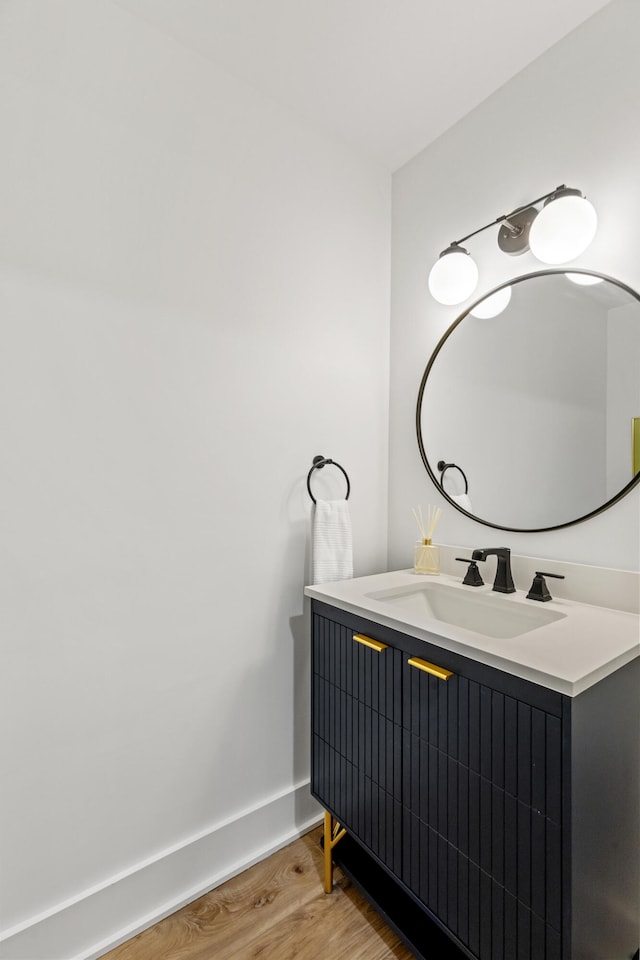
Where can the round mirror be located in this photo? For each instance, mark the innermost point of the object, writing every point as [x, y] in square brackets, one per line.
[525, 419]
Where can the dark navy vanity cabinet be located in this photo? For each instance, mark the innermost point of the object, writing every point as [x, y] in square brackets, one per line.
[476, 803]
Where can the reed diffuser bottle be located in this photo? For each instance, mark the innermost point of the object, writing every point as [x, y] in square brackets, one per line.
[426, 557]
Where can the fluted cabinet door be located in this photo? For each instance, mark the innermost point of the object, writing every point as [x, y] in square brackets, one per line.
[357, 737]
[481, 807]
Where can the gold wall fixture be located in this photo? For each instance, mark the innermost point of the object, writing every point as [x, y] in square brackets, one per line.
[635, 446]
[430, 668]
[369, 642]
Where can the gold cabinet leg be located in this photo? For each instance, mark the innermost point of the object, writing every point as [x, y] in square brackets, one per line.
[333, 833]
[328, 863]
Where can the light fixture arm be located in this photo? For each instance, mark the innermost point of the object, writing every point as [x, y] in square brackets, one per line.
[506, 217]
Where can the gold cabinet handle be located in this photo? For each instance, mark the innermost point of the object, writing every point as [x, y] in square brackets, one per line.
[431, 668]
[368, 642]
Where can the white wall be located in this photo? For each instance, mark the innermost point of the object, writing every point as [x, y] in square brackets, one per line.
[565, 119]
[192, 281]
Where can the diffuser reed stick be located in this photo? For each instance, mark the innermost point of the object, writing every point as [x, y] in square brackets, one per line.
[427, 556]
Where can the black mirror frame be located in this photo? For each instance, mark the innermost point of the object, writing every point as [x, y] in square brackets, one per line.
[487, 523]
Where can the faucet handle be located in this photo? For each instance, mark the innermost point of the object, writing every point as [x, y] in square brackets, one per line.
[539, 589]
[472, 578]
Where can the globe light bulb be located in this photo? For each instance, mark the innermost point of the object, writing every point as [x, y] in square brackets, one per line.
[583, 279]
[454, 276]
[493, 305]
[564, 228]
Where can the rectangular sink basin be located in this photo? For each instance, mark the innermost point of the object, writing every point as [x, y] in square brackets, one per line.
[493, 615]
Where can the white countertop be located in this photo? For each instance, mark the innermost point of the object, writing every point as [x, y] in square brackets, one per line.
[569, 655]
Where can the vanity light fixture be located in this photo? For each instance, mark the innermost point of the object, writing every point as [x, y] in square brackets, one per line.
[558, 233]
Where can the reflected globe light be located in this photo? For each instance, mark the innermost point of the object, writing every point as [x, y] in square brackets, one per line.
[454, 276]
[564, 228]
[583, 279]
[493, 305]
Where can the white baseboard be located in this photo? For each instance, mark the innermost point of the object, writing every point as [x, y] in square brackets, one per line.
[109, 913]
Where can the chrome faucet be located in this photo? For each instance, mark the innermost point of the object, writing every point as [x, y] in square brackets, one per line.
[503, 582]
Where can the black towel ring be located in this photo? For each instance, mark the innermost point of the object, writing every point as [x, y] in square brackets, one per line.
[443, 467]
[318, 464]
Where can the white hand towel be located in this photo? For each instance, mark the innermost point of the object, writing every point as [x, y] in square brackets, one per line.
[462, 499]
[332, 550]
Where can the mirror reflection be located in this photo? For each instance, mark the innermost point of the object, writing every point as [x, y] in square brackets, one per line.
[535, 405]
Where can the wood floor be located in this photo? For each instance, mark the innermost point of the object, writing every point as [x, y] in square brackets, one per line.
[277, 910]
